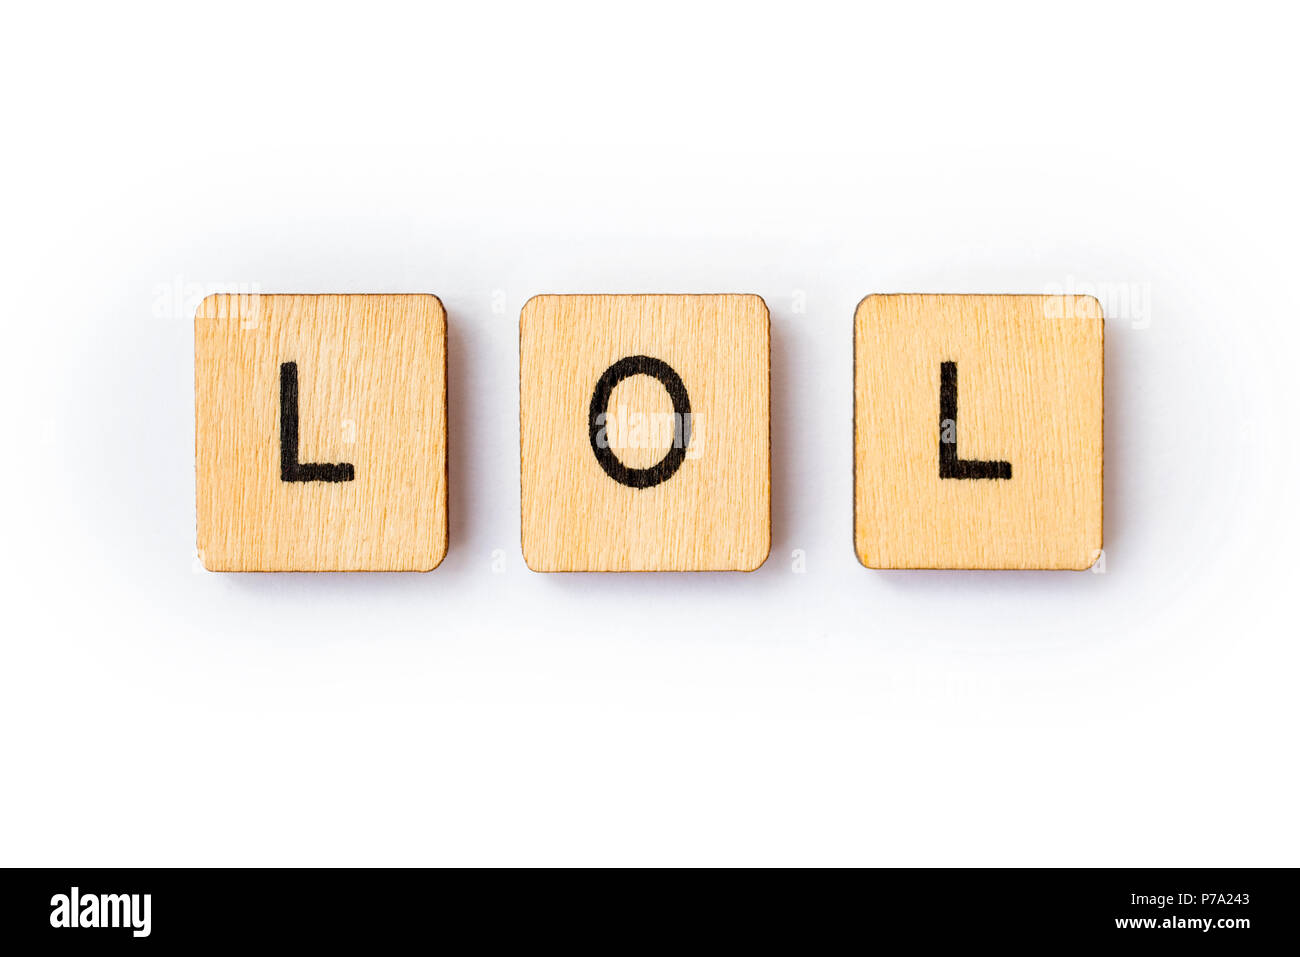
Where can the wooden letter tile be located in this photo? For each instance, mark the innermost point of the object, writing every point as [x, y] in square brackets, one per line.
[977, 431]
[644, 440]
[321, 432]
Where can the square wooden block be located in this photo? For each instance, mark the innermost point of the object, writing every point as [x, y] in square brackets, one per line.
[978, 431]
[321, 432]
[644, 433]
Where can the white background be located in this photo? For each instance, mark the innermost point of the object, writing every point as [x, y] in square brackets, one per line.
[152, 713]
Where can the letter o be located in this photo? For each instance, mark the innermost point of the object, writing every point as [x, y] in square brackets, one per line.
[664, 469]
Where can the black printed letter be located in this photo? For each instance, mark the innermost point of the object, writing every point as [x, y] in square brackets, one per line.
[291, 470]
[672, 382]
[950, 466]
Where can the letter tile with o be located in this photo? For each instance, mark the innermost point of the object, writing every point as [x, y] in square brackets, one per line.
[644, 432]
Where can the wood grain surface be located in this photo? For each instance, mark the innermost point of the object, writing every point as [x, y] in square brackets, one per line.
[1028, 389]
[372, 393]
[714, 512]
